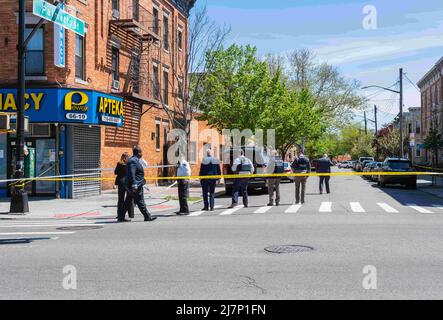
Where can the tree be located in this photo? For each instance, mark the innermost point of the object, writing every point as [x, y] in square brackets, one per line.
[388, 145]
[236, 90]
[336, 95]
[434, 142]
[204, 35]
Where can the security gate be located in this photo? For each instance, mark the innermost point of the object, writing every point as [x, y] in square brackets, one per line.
[85, 158]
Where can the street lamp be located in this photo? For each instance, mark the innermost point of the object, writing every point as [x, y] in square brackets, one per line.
[400, 92]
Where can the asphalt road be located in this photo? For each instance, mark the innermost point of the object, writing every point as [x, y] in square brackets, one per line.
[220, 255]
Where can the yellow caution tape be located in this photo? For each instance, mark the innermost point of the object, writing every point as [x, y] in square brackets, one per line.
[246, 176]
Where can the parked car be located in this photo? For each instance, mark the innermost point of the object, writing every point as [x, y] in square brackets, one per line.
[359, 166]
[397, 165]
[288, 170]
[367, 168]
[345, 165]
[259, 158]
[314, 165]
[376, 168]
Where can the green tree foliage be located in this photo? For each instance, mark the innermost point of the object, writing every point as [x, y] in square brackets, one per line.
[240, 92]
[434, 142]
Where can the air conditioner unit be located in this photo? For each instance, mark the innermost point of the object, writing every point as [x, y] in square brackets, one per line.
[41, 130]
[116, 84]
[116, 14]
[4, 122]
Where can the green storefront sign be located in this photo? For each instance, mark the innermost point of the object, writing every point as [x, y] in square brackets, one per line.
[52, 13]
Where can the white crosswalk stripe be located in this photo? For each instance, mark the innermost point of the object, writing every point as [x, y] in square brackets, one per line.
[325, 206]
[356, 207]
[199, 213]
[418, 208]
[34, 233]
[387, 207]
[294, 208]
[263, 209]
[231, 211]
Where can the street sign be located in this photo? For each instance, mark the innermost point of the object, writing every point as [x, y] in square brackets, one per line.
[60, 17]
[59, 44]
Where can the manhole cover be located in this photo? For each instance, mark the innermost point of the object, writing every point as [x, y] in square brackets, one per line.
[79, 228]
[288, 249]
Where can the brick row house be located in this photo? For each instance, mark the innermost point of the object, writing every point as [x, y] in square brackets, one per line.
[431, 88]
[111, 93]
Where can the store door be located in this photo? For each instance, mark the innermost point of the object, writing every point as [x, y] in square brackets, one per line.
[43, 164]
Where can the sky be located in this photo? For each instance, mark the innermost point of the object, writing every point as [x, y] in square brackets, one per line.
[407, 34]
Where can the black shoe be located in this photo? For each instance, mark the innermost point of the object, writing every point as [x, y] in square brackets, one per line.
[212, 209]
[270, 204]
[205, 209]
[150, 218]
[183, 213]
[123, 220]
[245, 205]
[277, 204]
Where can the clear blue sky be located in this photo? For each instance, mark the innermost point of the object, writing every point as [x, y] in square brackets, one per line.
[409, 34]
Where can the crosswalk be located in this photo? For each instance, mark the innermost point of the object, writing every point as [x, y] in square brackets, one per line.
[327, 207]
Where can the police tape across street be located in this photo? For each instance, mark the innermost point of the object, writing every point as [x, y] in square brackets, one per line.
[81, 177]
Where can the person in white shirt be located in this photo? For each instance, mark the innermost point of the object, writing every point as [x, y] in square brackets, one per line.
[183, 170]
[243, 166]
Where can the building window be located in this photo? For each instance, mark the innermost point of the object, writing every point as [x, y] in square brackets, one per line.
[417, 127]
[165, 85]
[35, 54]
[157, 136]
[135, 10]
[79, 57]
[156, 82]
[417, 152]
[180, 38]
[193, 151]
[115, 5]
[180, 88]
[155, 22]
[166, 32]
[115, 63]
[409, 127]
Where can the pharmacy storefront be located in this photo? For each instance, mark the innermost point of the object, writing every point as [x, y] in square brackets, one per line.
[63, 138]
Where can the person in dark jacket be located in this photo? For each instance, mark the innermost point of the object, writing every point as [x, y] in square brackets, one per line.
[134, 183]
[275, 166]
[300, 165]
[210, 166]
[121, 172]
[324, 166]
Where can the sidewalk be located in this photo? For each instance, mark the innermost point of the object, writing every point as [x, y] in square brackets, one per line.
[424, 184]
[158, 199]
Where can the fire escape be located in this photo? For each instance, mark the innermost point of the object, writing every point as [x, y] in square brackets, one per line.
[137, 33]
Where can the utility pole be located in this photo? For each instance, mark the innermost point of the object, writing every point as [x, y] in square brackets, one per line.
[375, 119]
[366, 124]
[401, 113]
[19, 197]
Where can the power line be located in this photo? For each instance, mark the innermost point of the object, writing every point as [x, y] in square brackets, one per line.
[406, 76]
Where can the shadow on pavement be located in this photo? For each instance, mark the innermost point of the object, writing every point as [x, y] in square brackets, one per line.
[20, 240]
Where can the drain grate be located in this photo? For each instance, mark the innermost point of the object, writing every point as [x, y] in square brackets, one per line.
[79, 228]
[288, 249]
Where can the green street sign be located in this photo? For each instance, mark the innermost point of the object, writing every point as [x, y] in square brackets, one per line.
[52, 13]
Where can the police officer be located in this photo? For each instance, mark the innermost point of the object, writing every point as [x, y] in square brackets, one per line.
[242, 165]
[183, 170]
[275, 166]
[324, 166]
[300, 165]
[210, 166]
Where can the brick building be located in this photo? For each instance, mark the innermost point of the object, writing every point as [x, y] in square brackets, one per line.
[111, 93]
[431, 87]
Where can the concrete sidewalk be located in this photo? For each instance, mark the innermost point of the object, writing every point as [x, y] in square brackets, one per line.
[425, 184]
[158, 199]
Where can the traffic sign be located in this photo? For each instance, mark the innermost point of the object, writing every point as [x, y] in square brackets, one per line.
[47, 11]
